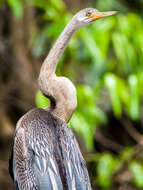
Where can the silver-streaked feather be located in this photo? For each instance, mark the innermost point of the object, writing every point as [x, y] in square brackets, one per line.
[46, 155]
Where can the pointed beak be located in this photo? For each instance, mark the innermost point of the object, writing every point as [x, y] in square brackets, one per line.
[98, 15]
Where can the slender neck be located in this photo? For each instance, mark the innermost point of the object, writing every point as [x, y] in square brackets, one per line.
[51, 61]
[59, 90]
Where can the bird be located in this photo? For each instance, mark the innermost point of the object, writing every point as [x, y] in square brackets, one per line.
[45, 153]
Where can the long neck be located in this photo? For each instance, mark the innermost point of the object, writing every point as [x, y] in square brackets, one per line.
[61, 92]
[51, 61]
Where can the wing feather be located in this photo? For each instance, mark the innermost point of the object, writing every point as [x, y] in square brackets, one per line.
[76, 171]
[34, 164]
[46, 155]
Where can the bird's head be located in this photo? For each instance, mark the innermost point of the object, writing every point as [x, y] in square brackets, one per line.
[88, 15]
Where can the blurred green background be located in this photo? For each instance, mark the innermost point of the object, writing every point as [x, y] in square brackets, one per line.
[104, 61]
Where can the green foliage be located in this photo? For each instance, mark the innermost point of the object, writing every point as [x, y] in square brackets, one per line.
[137, 170]
[17, 7]
[87, 115]
[126, 154]
[41, 100]
[124, 92]
[112, 84]
[111, 5]
[134, 97]
[107, 164]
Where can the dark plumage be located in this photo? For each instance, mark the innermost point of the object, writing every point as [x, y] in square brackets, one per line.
[46, 155]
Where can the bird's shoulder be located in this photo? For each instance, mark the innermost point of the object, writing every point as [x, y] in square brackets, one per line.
[35, 118]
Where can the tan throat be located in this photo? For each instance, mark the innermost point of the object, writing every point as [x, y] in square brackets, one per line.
[64, 98]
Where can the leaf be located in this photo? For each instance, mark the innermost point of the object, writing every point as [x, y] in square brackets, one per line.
[41, 100]
[107, 164]
[134, 109]
[91, 45]
[126, 154]
[137, 170]
[58, 4]
[123, 92]
[82, 127]
[111, 83]
[17, 8]
[85, 95]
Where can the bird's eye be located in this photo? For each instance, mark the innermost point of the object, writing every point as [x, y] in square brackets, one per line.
[88, 13]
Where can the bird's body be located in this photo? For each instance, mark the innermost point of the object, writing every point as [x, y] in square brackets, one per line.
[45, 154]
